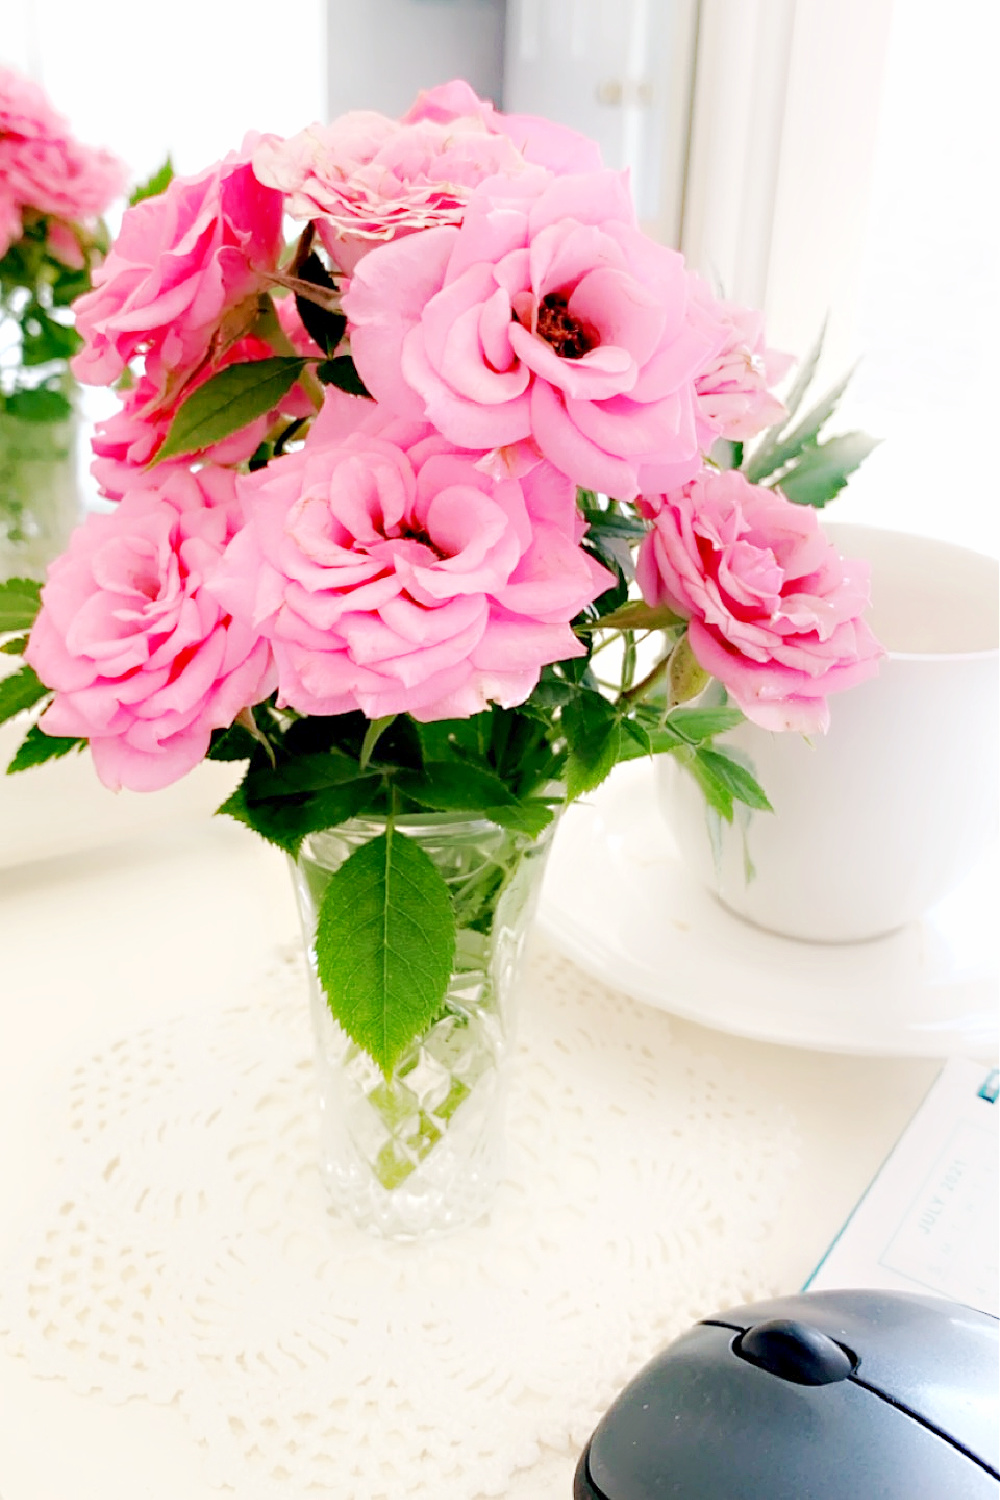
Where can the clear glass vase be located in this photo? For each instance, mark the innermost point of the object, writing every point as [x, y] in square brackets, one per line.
[39, 497]
[420, 1152]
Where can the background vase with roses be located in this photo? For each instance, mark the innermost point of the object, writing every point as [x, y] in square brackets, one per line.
[53, 190]
[380, 494]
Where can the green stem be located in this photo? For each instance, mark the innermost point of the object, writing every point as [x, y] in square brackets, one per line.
[640, 689]
[373, 734]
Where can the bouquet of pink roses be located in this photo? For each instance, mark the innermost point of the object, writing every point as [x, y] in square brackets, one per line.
[379, 495]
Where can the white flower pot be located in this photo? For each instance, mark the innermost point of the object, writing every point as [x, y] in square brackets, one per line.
[877, 820]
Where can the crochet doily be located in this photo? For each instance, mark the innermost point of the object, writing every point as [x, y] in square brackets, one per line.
[186, 1251]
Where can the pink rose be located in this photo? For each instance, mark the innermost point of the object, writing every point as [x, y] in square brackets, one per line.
[367, 178]
[546, 315]
[144, 661]
[393, 576]
[542, 142]
[775, 612]
[181, 262]
[44, 170]
[734, 397]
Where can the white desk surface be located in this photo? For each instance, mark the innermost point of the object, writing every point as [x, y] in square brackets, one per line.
[95, 933]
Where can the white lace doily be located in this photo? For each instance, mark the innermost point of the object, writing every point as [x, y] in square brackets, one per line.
[186, 1252]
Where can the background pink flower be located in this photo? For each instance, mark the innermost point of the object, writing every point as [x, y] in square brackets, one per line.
[546, 315]
[144, 661]
[182, 261]
[775, 611]
[45, 170]
[366, 178]
[393, 576]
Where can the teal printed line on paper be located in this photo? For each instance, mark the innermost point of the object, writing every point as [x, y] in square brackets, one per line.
[991, 1087]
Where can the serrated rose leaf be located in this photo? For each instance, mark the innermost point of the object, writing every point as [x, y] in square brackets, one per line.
[385, 945]
[20, 601]
[228, 402]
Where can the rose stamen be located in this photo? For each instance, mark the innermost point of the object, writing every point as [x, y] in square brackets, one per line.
[568, 336]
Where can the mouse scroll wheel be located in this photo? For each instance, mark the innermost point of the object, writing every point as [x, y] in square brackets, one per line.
[795, 1352]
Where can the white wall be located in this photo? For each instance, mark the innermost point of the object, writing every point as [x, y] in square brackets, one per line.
[383, 52]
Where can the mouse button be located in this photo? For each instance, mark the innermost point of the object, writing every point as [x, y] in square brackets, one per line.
[936, 1359]
[794, 1351]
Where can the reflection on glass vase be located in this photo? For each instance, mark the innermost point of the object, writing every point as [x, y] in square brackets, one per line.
[39, 500]
[421, 1152]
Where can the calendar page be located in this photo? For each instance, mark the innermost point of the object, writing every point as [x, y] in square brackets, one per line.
[930, 1222]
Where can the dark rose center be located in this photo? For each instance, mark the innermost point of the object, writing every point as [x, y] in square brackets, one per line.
[570, 338]
[410, 533]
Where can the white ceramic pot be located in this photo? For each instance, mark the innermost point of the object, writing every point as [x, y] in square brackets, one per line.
[877, 820]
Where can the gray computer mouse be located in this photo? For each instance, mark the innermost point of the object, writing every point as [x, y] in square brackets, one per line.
[821, 1396]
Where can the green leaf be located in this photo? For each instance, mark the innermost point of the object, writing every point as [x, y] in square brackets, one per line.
[20, 601]
[612, 523]
[821, 473]
[636, 615]
[792, 401]
[594, 735]
[39, 405]
[234, 743]
[529, 817]
[68, 284]
[552, 692]
[804, 378]
[454, 786]
[228, 402]
[737, 780]
[697, 724]
[715, 792]
[19, 692]
[640, 743]
[285, 821]
[153, 186]
[804, 436]
[450, 786]
[341, 373]
[300, 774]
[15, 646]
[37, 747]
[43, 339]
[385, 945]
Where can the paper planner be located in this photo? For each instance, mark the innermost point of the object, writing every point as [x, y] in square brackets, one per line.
[930, 1222]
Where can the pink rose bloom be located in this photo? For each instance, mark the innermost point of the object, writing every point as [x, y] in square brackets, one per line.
[366, 178]
[392, 576]
[734, 396]
[775, 612]
[44, 170]
[547, 316]
[181, 262]
[144, 661]
[542, 142]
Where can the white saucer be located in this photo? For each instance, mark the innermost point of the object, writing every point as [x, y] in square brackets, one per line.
[619, 903]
